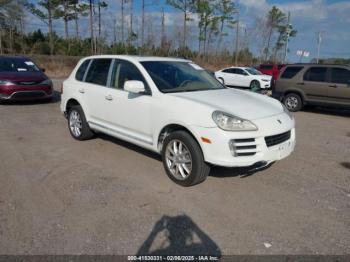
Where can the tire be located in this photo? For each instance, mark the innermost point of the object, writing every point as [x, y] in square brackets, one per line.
[194, 169]
[254, 86]
[293, 102]
[79, 129]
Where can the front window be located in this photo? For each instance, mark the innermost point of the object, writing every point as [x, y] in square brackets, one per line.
[173, 76]
[253, 71]
[9, 64]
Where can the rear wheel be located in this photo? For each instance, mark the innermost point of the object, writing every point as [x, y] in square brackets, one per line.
[183, 159]
[77, 124]
[293, 102]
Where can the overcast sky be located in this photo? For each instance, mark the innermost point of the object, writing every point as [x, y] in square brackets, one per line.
[331, 17]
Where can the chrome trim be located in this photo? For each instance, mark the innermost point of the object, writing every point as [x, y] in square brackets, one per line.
[121, 133]
[31, 91]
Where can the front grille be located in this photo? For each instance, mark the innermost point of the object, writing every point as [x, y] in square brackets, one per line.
[277, 139]
[28, 94]
[243, 147]
[28, 83]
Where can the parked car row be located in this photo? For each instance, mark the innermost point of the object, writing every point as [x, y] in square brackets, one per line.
[295, 85]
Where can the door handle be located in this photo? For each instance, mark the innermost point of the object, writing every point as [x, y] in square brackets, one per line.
[109, 97]
[333, 86]
[301, 83]
[81, 90]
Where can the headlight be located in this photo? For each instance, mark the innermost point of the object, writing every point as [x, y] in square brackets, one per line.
[6, 83]
[46, 82]
[285, 109]
[232, 123]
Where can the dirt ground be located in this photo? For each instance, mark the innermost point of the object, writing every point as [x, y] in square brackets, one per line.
[105, 196]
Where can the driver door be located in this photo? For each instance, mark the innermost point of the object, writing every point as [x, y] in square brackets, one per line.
[128, 114]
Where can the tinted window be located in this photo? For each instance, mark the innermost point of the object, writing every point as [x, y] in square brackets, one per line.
[240, 72]
[230, 70]
[291, 71]
[98, 72]
[340, 75]
[124, 71]
[266, 67]
[17, 64]
[316, 74]
[81, 71]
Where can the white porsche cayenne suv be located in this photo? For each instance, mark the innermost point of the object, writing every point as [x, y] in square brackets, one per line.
[177, 109]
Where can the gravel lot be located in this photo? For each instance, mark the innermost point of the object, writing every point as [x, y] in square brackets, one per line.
[105, 196]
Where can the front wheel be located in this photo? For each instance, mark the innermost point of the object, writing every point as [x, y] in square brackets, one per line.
[254, 86]
[183, 159]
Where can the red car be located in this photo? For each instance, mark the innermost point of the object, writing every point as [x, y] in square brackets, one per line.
[270, 69]
[21, 79]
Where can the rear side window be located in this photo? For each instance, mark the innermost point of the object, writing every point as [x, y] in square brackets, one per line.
[98, 71]
[291, 71]
[340, 75]
[229, 70]
[81, 71]
[266, 67]
[316, 74]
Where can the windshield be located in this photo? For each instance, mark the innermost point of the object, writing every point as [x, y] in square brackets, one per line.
[173, 76]
[253, 71]
[8, 64]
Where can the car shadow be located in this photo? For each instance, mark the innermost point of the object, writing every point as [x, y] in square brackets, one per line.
[327, 111]
[242, 172]
[178, 235]
[345, 165]
[56, 98]
[216, 171]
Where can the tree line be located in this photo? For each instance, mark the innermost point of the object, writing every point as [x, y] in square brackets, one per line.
[207, 28]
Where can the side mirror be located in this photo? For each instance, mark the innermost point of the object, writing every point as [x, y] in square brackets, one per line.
[43, 70]
[134, 86]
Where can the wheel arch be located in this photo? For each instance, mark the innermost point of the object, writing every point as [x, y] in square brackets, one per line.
[70, 103]
[169, 128]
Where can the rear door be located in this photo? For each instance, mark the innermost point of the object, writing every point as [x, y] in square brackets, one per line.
[339, 91]
[95, 90]
[315, 84]
[229, 76]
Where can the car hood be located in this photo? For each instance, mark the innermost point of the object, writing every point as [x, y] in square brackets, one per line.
[244, 104]
[23, 76]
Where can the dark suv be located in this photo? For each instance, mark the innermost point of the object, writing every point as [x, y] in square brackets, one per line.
[301, 84]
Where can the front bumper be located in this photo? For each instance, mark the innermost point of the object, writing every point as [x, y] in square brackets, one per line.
[20, 93]
[252, 146]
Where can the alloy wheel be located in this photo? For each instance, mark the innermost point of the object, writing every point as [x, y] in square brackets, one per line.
[178, 159]
[75, 123]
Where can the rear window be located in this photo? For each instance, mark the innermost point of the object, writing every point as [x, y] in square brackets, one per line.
[316, 74]
[291, 71]
[81, 71]
[229, 70]
[98, 72]
[340, 75]
[266, 67]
